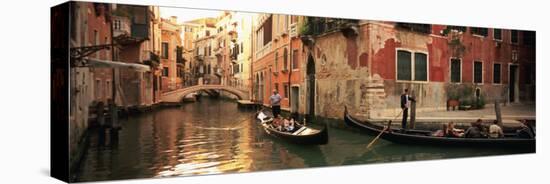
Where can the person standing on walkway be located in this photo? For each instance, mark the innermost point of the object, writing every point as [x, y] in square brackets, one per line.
[405, 104]
[275, 103]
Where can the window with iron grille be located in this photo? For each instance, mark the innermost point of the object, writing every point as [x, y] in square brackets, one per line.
[456, 70]
[478, 72]
[421, 28]
[457, 28]
[496, 73]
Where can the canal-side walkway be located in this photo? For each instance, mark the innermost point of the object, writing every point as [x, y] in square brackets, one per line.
[511, 113]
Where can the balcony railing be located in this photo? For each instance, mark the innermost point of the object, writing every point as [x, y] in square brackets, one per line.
[318, 25]
[421, 28]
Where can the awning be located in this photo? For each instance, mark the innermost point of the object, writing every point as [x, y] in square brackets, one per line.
[113, 64]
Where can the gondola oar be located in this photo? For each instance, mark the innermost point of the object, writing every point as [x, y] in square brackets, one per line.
[383, 130]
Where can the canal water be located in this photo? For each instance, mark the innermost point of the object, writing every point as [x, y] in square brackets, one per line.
[214, 136]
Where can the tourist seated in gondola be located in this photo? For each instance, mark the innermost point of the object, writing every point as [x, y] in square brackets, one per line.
[495, 131]
[289, 125]
[525, 130]
[452, 131]
[277, 123]
[441, 132]
[474, 131]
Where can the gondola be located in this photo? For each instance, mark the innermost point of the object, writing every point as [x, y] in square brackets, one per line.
[301, 134]
[423, 137]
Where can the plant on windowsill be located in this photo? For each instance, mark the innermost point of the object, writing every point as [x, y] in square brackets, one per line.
[284, 70]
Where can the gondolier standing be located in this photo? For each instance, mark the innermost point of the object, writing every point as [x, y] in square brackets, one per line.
[405, 104]
[275, 103]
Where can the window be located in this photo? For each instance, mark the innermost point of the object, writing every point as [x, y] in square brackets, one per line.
[456, 70]
[295, 59]
[479, 31]
[242, 47]
[117, 24]
[277, 87]
[404, 65]
[285, 59]
[287, 90]
[267, 30]
[164, 50]
[276, 59]
[529, 38]
[497, 34]
[478, 72]
[207, 33]
[496, 73]
[165, 72]
[412, 68]
[514, 36]
[97, 89]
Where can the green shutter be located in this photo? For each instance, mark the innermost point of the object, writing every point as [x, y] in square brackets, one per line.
[403, 65]
[420, 67]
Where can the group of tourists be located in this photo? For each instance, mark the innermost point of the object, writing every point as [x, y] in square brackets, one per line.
[283, 124]
[477, 130]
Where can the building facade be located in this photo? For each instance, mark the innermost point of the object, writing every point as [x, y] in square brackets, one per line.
[366, 65]
[139, 43]
[271, 61]
[171, 55]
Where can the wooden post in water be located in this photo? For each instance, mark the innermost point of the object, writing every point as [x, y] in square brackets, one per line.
[413, 111]
[497, 112]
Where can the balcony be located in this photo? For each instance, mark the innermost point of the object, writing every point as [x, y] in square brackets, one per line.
[317, 26]
[134, 24]
[153, 61]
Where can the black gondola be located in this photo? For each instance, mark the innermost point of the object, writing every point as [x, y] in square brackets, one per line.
[300, 135]
[422, 137]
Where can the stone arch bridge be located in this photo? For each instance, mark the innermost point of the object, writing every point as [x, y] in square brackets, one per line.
[177, 96]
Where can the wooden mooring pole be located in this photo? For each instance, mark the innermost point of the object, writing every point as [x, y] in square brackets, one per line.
[413, 111]
[498, 113]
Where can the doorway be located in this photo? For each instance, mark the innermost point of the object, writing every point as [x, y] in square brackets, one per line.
[310, 85]
[294, 96]
[513, 84]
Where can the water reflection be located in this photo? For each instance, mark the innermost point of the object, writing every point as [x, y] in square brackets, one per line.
[213, 136]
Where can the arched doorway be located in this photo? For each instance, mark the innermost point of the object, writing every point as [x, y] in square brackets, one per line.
[310, 71]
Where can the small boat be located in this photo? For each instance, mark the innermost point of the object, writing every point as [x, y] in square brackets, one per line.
[424, 137]
[301, 134]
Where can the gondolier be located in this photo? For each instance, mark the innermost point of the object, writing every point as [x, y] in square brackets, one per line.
[275, 103]
[405, 104]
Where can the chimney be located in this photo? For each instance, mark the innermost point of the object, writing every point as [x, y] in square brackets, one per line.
[173, 19]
